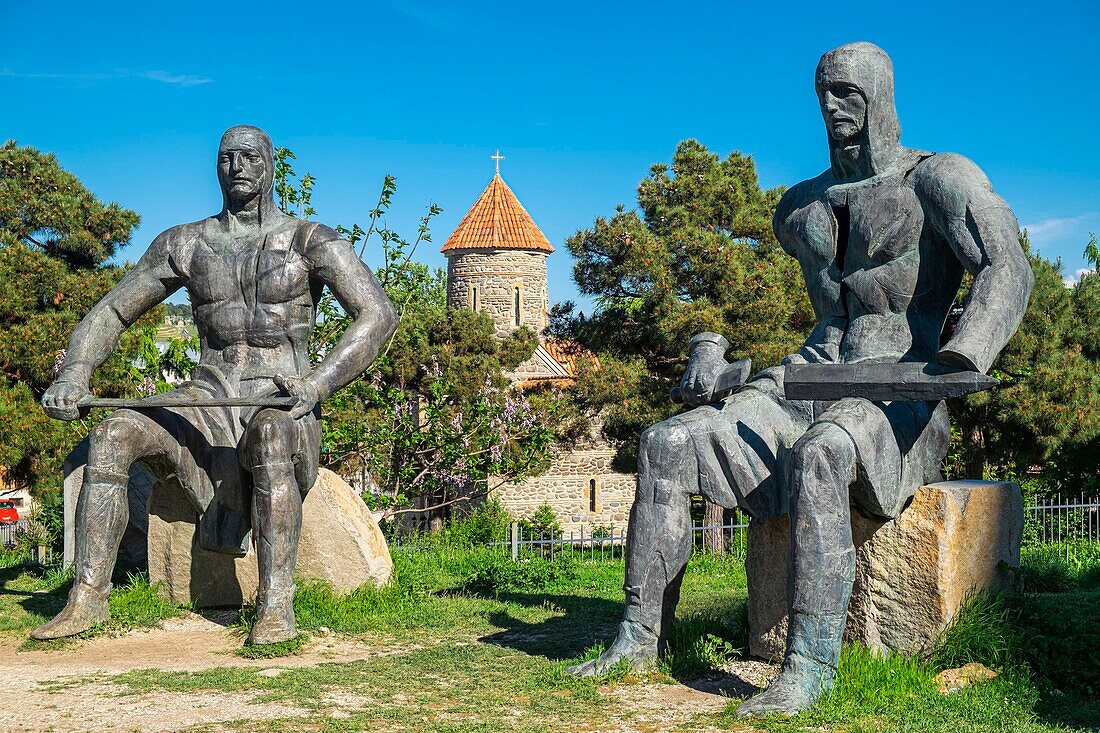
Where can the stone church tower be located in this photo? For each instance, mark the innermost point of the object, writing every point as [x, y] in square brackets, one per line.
[496, 262]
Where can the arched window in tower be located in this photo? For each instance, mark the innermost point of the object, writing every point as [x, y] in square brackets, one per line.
[474, 304]
[516, 305]
[593, 494]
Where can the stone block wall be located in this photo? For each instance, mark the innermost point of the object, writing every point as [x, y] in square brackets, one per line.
[568, 488]
[496, 274]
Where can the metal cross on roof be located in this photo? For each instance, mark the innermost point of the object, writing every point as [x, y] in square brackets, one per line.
[498, 157]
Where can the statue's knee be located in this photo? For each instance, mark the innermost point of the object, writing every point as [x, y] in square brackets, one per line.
[114, 444]
[269, 438]
[825, 449]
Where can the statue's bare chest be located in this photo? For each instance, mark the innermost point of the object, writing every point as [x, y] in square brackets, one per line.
[249, 271]
[875, 224]
[863, 240]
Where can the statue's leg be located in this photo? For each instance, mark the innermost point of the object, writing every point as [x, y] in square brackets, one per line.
[102, 512]
[658, 546]
[822, 570]
[270, 442]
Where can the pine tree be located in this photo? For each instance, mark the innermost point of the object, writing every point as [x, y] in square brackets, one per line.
[55, 240]
[1047, 413]
[698, 254]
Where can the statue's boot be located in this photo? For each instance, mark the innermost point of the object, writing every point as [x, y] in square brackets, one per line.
[822, 571]
[276, 524]
[809, 667]
[658, 548]
[101, 515]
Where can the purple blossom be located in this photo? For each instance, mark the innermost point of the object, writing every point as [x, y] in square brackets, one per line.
[434, 370]
[147, 387]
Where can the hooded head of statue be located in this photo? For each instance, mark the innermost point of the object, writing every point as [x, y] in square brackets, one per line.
[855, 86]
[246, 169]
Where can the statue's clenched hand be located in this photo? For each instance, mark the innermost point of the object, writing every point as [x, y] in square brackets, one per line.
[304, 390]
[706, 360]
[62, 399]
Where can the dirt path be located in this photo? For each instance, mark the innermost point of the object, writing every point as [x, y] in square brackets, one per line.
[39, 696]
[69, 690]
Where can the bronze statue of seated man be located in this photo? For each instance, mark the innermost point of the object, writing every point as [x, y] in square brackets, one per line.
[254, 276]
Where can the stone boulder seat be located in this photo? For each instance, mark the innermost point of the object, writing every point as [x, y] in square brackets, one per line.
[340, 543]
[913, 573]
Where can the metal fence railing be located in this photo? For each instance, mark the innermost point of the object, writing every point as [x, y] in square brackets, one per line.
[9, 533]
[1062, 519]
[1055, 520]
[610, 543]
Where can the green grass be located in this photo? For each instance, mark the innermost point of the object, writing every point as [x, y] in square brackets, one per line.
[31, 594]
[468, 643]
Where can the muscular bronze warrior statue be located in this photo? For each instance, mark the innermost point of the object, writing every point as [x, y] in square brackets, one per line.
[884, 237]
[254, 276]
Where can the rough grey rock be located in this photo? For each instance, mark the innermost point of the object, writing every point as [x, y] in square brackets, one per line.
[340, 544]
[912, 573]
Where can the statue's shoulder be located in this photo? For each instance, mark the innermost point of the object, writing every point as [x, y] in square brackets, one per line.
[313, 239]
[319, 233]
[792, 209]
[949, 180]
[802, 194]
[176, 245]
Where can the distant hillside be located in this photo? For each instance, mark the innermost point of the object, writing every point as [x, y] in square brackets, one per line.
[178, 310]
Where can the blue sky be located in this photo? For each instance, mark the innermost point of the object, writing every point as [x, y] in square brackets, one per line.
[581, 98]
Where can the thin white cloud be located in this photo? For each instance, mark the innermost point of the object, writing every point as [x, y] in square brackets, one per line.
[1070, 280]
[1053, 228]
[182, 80]
[438, 17]
[162, 77]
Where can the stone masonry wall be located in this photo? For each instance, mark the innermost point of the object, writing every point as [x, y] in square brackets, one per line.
[567, 487]
[496, 274]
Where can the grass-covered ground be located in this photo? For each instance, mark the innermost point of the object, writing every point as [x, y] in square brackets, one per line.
[470, 641]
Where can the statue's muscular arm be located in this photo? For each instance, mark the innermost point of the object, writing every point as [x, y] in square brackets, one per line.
[807, 231]
[334, 263]
[156, 275]
[982, 231]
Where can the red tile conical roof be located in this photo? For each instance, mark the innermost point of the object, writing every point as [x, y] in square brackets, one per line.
[497, 220]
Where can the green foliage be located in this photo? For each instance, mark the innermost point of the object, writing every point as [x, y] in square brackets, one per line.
[542, 524]
[1048, 411]
[485, 523]
[868, 683]
[49, 210]
[601, 532]
[982, 632]
[497, 573]
[136, 604]
[33, 534]
[1051, 638]
[435, 418]
[702, 644]
[697, 255]
[1060, 567]
[55, 239]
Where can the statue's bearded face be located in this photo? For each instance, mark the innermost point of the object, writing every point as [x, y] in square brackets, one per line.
[242, 170]
[843, 107]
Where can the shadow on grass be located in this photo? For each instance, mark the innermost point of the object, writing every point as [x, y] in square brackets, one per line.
[583, 622]
[724, 684]
[43, 601]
